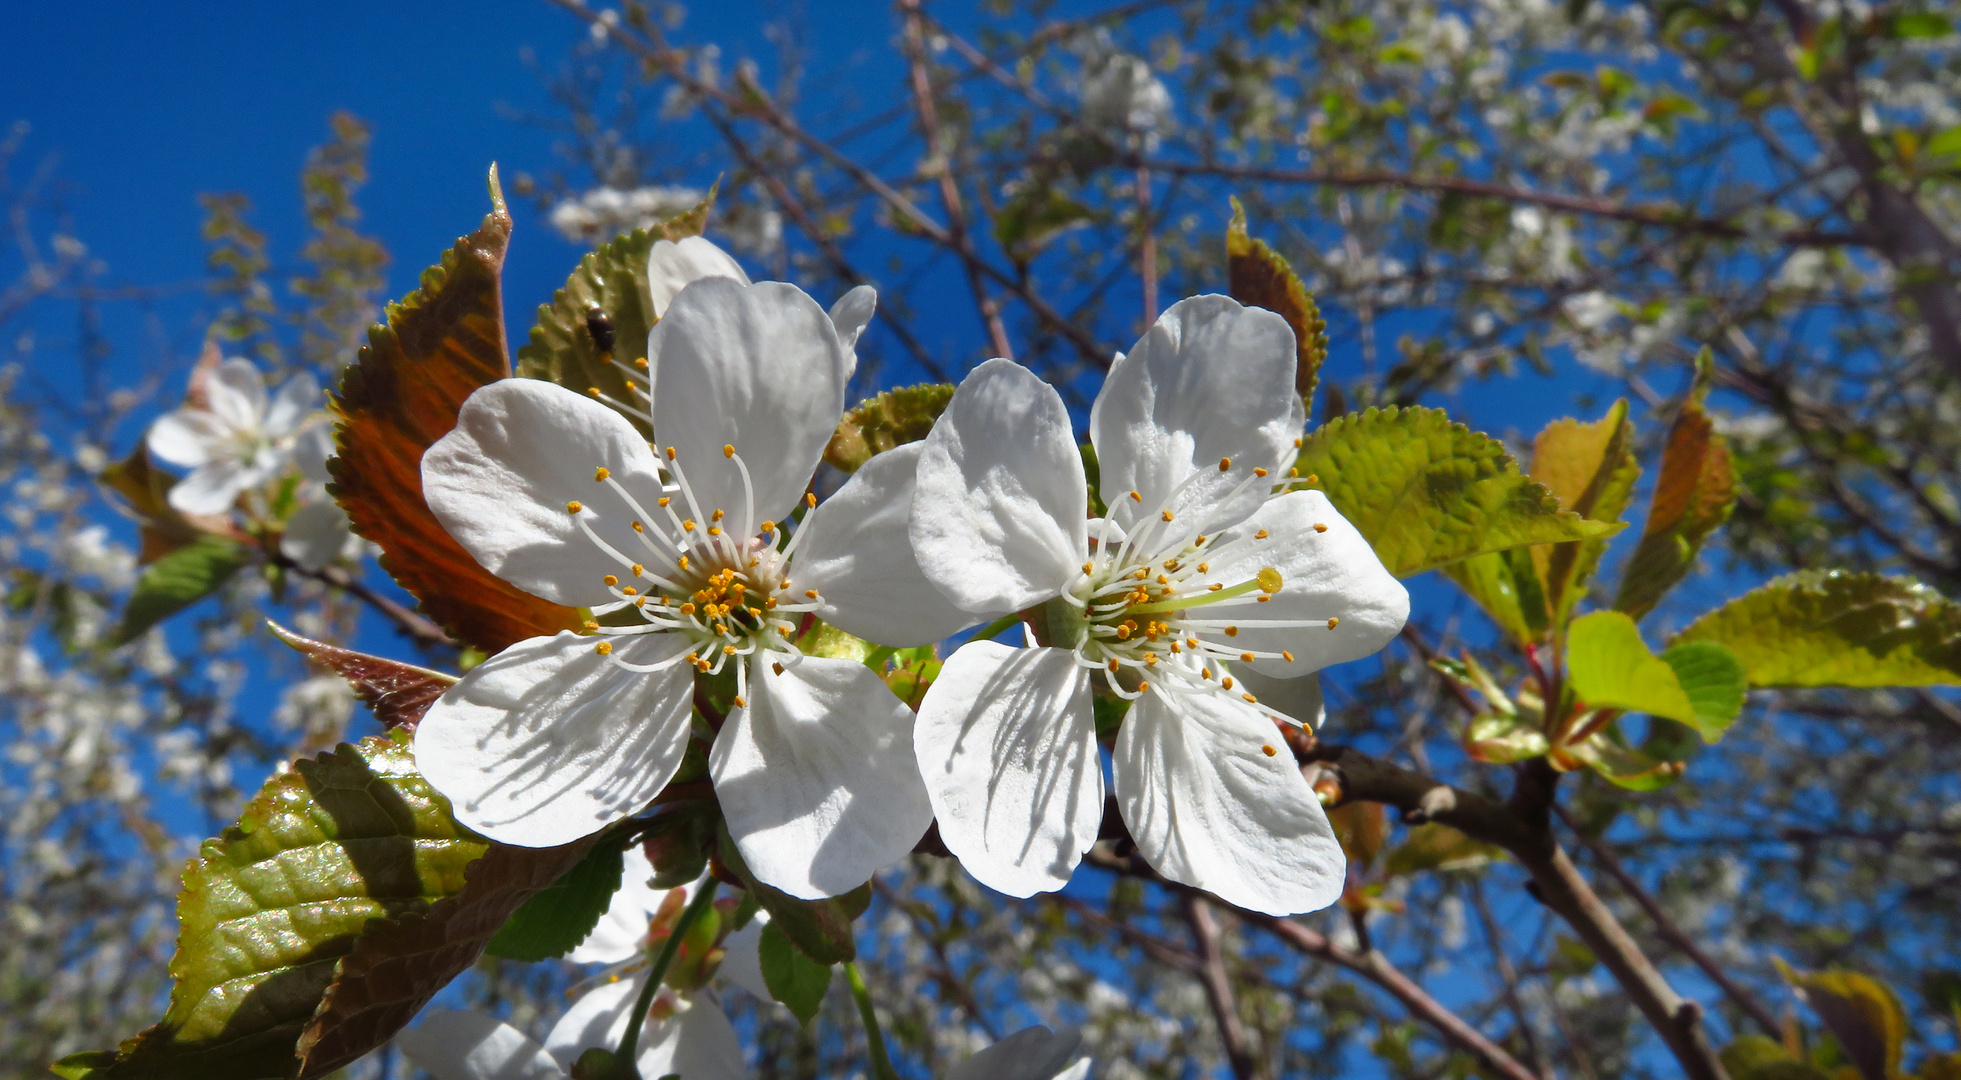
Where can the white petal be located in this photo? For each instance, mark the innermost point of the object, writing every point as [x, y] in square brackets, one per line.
[211, 489]
[187, 437]
[859, 558]
[757, 367]
[312, 448]
[1298, 697]
[673, 266]
[500, 481]
[1000, 516]
[296, 400]
[697, 1042]
[598, 1018]
[816, 777]
[1007, 744]
[1333, 574]
[1209, 808]
[457, 1044]
[1034, 1053]
[1211, 380]
[315, 535]
[236, 394]
[622, 929]
[851, 314]
[548, 741]
[742, 960]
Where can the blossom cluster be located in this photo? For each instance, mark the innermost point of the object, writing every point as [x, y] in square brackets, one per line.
[1198, 605]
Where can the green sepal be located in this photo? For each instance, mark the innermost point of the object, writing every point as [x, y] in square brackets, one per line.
[793, 978]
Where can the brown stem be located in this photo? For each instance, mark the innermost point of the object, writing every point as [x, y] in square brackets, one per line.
[1673, 934]
[1495, 937]
[419, 629]
[950, 200]
[1372, 966]
[1147, 249]
[1213, 976]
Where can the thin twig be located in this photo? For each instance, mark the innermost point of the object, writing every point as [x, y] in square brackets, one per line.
[419, 629]
[1213, 976]
[1666, 929]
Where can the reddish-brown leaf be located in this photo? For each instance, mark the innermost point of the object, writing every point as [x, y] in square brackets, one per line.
[1258, 276]
[398, 693]
[398, 964]
[441, 343]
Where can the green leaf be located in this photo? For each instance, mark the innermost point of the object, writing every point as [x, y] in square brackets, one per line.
[1439, 847]
[1861, 1012]
[553, 922]
[612, 278]
[1035, 215]
[821, 928]
[1610, 667]
[1835, 628]
[1946, 143]
[1608, 754]
[1506, 585]
[1258, 276]
[1501, 739]
[270, 907]
[1427, 492]
[178, 580]
[1921, 24]
[793, 978]
[893, 418]
[1693, 497]
[1713, 679]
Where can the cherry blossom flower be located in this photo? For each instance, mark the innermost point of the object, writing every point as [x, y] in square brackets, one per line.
[237, 439]
[1210, 563]
[680, 555]
[1034, 1053]
[318, 532]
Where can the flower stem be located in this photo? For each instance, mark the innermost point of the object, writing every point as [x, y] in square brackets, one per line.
[986, 633]
[881, 1063]
[704, 899]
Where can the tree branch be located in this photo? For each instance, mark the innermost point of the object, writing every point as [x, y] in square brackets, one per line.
[419, 629]
[1669, 932]
[1218, 988]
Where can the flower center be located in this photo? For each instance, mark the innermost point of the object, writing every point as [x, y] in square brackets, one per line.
[1151, 613]
[727, 593]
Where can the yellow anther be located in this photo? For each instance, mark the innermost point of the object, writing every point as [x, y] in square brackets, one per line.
[642, 602]
[1232, 631]
[769, 604]
[1163, 580]
[610, 580]
[1257, 471]
[1171, 564]
[717, 515]
[687, 609]
[778, 668]
[1261, 599]
[1204, 673]
[1319, 527]
[1245, 658]
[811, 593]
[604, 648]
[1215, 586]
[682, 562]
[639, 528]
[591, 624]
[1297, 444]
[728, 650]
[670, 453]
[629, 590]
[1134, 497]
[1311, 478]
[1269, 579]
[1165, 514]
[600, 474]
[1226, 682]
[739, 703]
[768, 527]
[1150, 659]
[1332, 623]
[1287, 656]
[1225, 463]
[1249, 699]
[638, 570]
[1295, 474]
[1142, 687]
[1191, 643]
[728, 449]
[574, 506]
[1204, 568]
[688, 525]
[1089, 568]
[1113, 664]
[642, 365]
[593, 390]
[1268, 750]
[810, 499]
[714, 530]
[1261, 535]
[662, 501]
